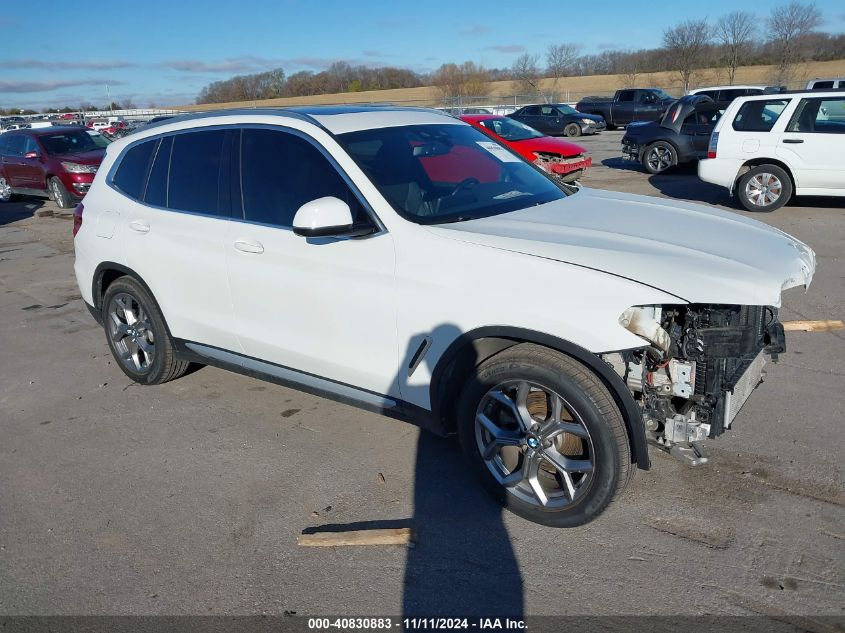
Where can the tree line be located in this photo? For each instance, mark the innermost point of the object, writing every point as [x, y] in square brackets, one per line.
[788, 37]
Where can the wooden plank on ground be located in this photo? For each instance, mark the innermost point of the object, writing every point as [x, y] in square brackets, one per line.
[812, 326]
[389, 536]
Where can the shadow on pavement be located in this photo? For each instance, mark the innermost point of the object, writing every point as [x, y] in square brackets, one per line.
[19, 209]
[618, 162]
[463, 563]
[687, 186]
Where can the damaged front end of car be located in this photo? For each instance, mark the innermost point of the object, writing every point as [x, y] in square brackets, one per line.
[701, 365]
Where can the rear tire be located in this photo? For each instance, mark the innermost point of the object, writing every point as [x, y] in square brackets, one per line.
[659, 157]
[575, 457]
[572, 130]
[59, 194]
[137, 334]
[764, 188]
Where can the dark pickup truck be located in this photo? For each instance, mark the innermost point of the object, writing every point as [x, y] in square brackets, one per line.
[626, 106]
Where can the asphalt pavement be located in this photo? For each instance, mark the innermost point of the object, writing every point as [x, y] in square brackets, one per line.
[187, 498]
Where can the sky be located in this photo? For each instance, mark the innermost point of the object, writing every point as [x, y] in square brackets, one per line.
[165, 53]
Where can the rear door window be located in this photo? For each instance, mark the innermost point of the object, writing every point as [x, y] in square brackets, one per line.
[627, 95]
[822, 85]
[196, 165]
[759, 115]
[131, 174]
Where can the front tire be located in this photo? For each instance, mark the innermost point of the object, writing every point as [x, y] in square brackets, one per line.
[658, 157]
[764, 188]
[572, 130]
[544, 435]
[59, 194]
[137, 335]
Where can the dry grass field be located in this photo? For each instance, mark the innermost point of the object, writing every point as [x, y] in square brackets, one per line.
[569, 88]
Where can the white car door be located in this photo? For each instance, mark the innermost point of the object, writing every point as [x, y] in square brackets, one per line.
[174, 230]
[813, 141]
[323, 306]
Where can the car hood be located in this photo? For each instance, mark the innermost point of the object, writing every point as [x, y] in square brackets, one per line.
[94, 157]
[548, 144]
[697, 253]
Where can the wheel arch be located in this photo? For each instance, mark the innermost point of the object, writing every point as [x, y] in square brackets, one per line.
[757, 162]
[108, 272]
[473, 347]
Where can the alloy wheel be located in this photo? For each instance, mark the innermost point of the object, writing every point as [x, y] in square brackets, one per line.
[659, 158]
[5, 191]
[763, 189]
[131, 332]
[535, 444]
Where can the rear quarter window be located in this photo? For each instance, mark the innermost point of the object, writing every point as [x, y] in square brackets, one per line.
[759, 115]
[132, 171]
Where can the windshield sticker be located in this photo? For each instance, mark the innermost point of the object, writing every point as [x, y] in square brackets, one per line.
[499, 152]
[511, 194]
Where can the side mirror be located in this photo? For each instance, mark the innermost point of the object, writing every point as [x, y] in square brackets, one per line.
[31, 155]
[327, 217]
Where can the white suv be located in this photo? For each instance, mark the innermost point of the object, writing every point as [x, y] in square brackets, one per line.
[769, 147]
[401, 261]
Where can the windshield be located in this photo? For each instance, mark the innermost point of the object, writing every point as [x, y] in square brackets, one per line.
[565, 109]
[73, 142]
[662, 95]
[447, 173]
[510, 129]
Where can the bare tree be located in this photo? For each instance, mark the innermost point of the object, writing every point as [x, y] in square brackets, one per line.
[456, 83]
[686, 46]
[787, 25]
[526, 73]
[735, 32]
[559, 59]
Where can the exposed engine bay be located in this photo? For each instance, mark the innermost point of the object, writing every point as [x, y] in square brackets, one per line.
[702, 363]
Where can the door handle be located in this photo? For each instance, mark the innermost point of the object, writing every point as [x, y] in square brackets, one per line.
[249, 246]
[139, 226]
[793, 140]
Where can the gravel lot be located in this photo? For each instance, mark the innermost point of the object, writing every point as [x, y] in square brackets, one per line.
[188, 498]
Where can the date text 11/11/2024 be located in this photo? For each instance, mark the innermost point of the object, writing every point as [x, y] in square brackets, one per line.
[430, 624]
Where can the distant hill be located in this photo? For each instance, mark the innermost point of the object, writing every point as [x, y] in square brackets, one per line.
[570, 89]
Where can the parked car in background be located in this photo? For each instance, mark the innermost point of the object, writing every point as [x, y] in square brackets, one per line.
[54, 162]
[680, 136]
[402, 261]
[627, 106]
[8, 127]
[555, 156]
[723, 95]
[766, 149]
[98, 125]
[558, 119]
[826, 84]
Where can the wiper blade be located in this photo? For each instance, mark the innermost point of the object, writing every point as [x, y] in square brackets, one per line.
[460, 218]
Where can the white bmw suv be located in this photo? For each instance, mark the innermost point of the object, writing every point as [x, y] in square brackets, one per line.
[401, 261]
[766, 148]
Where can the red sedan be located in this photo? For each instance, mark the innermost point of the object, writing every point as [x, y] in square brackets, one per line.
[555, 156]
